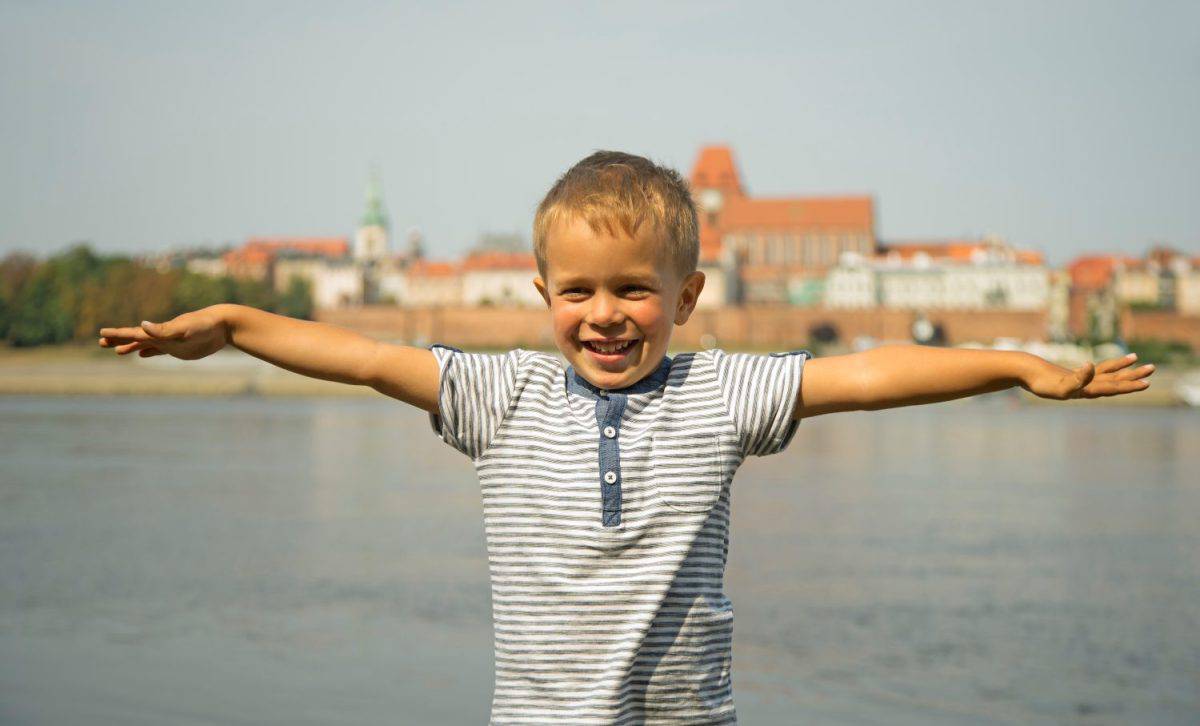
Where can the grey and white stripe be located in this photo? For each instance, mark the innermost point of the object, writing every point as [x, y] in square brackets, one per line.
[624, 624]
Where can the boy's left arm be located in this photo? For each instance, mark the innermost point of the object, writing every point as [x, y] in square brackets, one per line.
[904, 375]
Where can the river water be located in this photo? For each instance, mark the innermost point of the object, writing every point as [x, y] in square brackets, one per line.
[321, 561]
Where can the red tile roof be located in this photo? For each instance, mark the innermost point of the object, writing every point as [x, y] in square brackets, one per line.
[247, 256]
[816, 214]
[953, 249]
[714, 169]
[1092, 272]
[324, 246]
[956, 250]
[427, 268]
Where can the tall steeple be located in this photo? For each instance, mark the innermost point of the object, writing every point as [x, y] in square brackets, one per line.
[371, 241]
[375, 216]
[715, 180]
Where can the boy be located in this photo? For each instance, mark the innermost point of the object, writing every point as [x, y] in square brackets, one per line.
[606, 484]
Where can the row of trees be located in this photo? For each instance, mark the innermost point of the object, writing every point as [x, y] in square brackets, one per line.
[72, 295]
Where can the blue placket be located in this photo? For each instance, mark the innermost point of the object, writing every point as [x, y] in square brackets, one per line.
[609, 408]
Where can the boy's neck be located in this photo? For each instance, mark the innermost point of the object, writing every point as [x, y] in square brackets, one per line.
[582, 386]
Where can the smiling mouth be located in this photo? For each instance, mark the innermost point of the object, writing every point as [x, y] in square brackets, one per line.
[614, 348]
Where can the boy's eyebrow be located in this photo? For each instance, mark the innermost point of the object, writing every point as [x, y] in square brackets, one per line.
[644, 279]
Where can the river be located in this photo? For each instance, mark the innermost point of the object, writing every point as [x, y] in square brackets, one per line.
[244, 560]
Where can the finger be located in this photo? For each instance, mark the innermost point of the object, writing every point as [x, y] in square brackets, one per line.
[1133, 374]
[1115, 388]
[149, 352]
[131, 347]
[123, 334]
[113, 342]
[1116, 364]
[120, 332]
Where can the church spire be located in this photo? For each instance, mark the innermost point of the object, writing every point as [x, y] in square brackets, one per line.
[371, 241]
[375, 216]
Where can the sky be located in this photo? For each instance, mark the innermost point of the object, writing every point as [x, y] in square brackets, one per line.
[1064, 127]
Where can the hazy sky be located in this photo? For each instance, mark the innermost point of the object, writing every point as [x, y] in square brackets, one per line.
[1062, 126]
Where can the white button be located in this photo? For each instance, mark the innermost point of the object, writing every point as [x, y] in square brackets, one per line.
[610, 432]
[610, 476]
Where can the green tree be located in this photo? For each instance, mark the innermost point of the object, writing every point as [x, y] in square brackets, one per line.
[296, 301]
[194, 291]
[74, 294]
[15, 271]
[44, 309]
[124, 294]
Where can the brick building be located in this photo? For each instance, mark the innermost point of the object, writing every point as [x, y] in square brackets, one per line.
[774, 249]
[256, 258]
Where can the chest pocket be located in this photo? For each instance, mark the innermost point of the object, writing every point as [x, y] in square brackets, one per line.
[688, 472]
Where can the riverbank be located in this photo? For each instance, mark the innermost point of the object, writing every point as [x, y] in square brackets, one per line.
[81, 370]
[87, 371]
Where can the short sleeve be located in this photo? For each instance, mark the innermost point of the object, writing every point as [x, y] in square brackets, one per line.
[475, 392]
[761, 393]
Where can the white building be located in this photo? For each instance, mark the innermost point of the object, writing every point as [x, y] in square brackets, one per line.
[715, 290]
[393, 285]
[500, 278]
[1187, 285]
[982, 280]
[335, 284]
[431, 283]
[213, 266]
[852, 285]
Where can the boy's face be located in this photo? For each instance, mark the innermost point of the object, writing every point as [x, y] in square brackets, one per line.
[617, 289]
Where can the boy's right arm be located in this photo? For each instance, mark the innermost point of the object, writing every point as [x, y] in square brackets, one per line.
[309, 348]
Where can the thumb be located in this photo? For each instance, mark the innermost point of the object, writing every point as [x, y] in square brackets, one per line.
[1085, 373]
[155, 330]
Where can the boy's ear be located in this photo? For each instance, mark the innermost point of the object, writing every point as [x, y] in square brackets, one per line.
[689, 293]
[541, 288]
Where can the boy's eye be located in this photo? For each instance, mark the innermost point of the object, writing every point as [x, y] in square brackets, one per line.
[628, 288]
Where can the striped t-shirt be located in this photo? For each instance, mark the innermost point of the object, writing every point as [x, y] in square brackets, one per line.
[607, 521]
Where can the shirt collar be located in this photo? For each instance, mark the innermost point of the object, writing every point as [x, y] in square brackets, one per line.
[582, 386]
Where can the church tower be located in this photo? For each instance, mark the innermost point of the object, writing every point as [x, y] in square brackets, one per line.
[371, 240]
[715, 180]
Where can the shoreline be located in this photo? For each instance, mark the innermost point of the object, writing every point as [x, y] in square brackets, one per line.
[87, 371]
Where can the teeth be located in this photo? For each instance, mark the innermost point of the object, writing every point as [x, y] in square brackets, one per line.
[611, 347]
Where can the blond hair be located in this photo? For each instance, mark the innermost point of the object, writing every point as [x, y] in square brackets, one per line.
[612, 191]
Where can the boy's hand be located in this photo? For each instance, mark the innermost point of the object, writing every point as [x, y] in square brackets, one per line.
[1106, 378]
[189, 336]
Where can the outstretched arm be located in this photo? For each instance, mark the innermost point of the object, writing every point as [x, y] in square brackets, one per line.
[309, 348]
[904, 375]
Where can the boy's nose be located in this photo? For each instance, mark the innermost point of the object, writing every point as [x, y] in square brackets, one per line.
[604, 311]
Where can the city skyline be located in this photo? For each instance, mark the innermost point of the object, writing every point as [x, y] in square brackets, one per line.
[168, 127]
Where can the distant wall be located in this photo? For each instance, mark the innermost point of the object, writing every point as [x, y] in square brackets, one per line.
[459, 326]
[784, 326]
[767, 326]
[1161, 325]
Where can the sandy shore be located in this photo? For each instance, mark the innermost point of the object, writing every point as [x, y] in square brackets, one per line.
[84, 371]
[79, 371]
